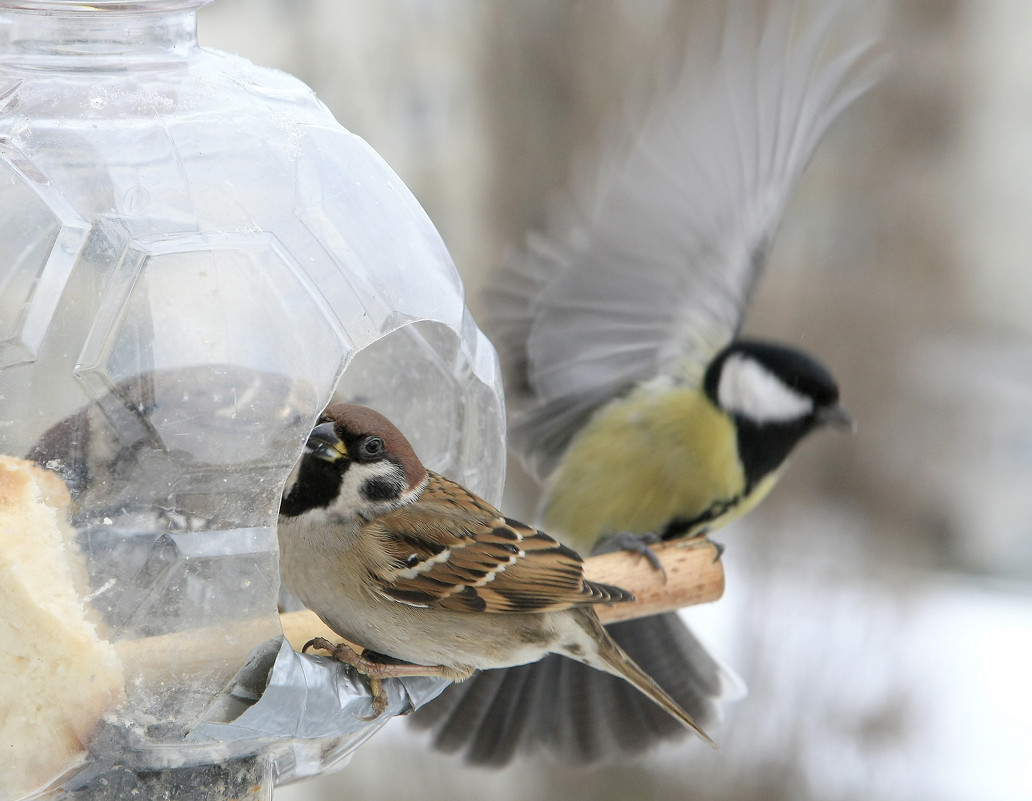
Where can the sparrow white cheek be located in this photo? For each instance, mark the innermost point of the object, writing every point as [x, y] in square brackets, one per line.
[355, 496]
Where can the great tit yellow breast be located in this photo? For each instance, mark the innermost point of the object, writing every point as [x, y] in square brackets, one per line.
[640, 463]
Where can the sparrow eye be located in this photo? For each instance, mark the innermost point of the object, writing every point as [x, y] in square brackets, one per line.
[372, 446]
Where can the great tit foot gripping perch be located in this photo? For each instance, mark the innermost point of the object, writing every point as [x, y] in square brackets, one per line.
[640, 544]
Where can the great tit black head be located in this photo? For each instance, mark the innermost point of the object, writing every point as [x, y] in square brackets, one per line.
[775, 395]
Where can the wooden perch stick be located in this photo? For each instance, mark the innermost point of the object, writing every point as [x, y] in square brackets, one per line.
[693, 576]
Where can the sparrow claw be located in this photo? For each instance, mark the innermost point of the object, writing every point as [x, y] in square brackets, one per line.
[379, 698]
[639, 544]
[720, 549]
[349, 657]
[366, 664]
[321, 643]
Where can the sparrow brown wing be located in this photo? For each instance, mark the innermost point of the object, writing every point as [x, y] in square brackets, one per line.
[452, 550]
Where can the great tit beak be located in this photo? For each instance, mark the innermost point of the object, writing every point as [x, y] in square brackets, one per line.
[836, 417]
[323, 443]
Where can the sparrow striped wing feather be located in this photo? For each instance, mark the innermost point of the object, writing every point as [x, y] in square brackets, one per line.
[454, 551]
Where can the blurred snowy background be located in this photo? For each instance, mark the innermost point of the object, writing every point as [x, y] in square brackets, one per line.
[879, 604]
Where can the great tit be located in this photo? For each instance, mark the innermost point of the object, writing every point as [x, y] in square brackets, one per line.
[631, 395]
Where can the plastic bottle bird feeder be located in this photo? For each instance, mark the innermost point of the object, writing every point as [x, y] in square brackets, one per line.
[195, 257]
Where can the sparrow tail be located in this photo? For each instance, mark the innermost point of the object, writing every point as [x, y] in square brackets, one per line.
[614, 660]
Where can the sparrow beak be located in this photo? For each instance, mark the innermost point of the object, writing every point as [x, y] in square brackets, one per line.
[836, 417]
[324, 444]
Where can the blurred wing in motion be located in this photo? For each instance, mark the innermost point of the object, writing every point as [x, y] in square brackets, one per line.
[650, 270]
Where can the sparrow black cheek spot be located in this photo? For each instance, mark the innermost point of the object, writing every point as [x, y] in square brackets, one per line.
[380, 489]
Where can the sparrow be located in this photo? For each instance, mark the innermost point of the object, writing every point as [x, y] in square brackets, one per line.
[632, 396]
[412, 566]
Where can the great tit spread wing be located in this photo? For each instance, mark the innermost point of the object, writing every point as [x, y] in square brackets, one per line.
[650, 271]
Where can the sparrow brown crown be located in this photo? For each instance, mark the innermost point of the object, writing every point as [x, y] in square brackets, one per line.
[353, 423]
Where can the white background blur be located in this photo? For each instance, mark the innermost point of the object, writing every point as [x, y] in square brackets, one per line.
[878, 605]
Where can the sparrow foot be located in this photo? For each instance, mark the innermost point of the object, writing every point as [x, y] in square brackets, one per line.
[374, 670]
[639, 544]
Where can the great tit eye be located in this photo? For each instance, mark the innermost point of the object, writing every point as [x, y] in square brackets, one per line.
[372, 446]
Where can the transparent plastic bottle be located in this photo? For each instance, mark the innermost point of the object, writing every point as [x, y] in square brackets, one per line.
[194, 258]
